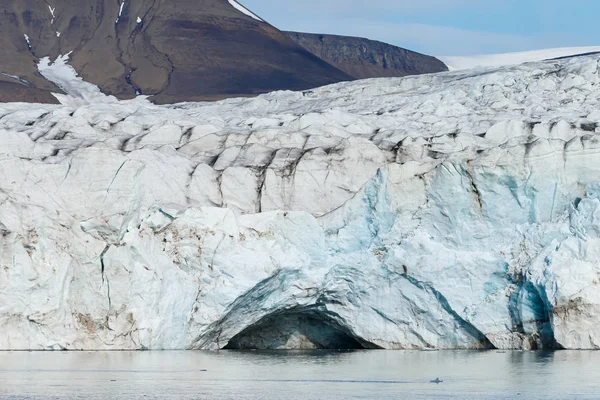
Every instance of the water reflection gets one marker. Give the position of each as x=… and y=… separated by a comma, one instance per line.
x=300, y=375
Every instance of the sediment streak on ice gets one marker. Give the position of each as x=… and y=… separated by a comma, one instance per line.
x=457, y=210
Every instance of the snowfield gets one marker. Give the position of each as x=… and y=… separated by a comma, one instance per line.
x=65, y=77
x=497, y=60
x=457, y=210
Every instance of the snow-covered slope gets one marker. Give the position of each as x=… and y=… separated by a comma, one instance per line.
x=458, y=210
x=244, y=10
x=497, y=60
x=79, y=92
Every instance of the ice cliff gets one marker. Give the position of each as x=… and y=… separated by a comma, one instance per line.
x=459, y=210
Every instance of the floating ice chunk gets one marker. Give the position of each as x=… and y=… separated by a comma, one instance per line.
x=244, y=10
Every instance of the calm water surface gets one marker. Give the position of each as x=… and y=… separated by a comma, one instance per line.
x=300, y=375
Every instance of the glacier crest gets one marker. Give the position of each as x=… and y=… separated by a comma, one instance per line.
x=457, y=210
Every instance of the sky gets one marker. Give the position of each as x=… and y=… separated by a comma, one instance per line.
x=444, y=27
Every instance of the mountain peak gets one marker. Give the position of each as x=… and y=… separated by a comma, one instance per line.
x=176, y=50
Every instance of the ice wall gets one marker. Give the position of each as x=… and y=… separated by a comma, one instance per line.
x=458, y=210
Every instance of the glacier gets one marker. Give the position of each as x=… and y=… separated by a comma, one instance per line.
x=451, y=211
x=497, y=60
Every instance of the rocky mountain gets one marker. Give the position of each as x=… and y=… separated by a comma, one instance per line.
x=175, y=50
x=456, y=210
x=364, y=58
x=13, y=90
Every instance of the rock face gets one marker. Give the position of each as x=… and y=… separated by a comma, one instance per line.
x=16, y=91
x=456, y=210
x=364, y=58
x=177, y=50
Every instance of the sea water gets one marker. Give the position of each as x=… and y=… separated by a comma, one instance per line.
x=300, y=375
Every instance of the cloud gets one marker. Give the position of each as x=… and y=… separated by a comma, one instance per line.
x=376, y=19
x=437, y=27
x=438, y=40
x=429, y=39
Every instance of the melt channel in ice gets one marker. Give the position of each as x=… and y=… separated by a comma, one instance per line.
x=455, y=210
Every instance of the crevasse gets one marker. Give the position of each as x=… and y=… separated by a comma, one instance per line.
x=457, y=210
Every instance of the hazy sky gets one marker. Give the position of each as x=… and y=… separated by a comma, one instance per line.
x=444, y=27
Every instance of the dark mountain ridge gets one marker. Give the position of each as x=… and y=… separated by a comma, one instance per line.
x=173, y=50
x=363, y=58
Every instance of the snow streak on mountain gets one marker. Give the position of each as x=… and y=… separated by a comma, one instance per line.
x=175, y=50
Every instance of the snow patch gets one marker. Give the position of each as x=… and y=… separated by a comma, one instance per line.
x=17, y=78
x=52, y=9
x=78, y=91
x=120, y=12
x=27, y=41
x=496, y=60
x=244, y=10
x=139, y=20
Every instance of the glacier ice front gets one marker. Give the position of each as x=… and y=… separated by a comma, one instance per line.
x=458, y=210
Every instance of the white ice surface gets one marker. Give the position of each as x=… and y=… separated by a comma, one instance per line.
x=497, y=60
x=78, y=91
x=453, y=210
x=244, y=10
